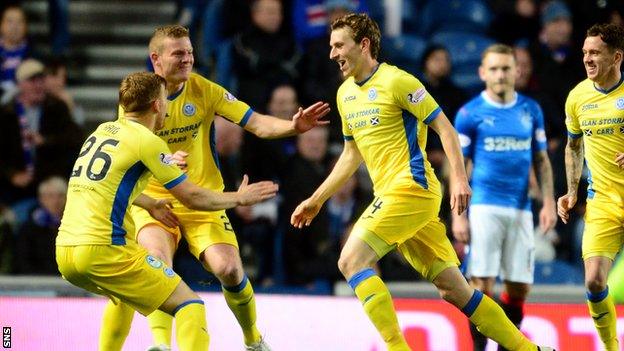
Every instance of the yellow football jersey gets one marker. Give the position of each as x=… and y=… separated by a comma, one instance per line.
x=387, y=117
x=112, y=169
x=189, y=127
x=598, y=117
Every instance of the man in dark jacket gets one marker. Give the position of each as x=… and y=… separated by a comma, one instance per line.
x=38, y=138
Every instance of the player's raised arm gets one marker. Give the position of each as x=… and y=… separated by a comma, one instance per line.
x=460, y=190
x=197, y=198
x=269, y=127
x=348, y=162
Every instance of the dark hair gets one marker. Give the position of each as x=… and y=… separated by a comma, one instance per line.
x=362, y=27
x=429, y=51
x=611, y=34
x=53, y=65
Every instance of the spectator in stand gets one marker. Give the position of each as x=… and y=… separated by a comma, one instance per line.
x=39, y=138
x=265, y=158
x=14, y=48
x=304, y=249
x=556, y=59
x=436, y=77
x=526, y=84
x=254, y=225
x=34, y=249
x=6, y=240
x=58, y=14
x=322, y=77
x=311, y=18
x=264, y=56
x=56, y=85
x=521, y=22
x=343, y=210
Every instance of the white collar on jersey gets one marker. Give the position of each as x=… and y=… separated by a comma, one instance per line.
x=510, y=104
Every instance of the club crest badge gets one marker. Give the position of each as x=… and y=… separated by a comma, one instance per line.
x=153, y=261
x=189, y=109
x=372, y=94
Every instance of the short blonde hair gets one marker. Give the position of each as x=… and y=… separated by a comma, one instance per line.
x=498, y=49
x=139, y=90
x=171, y=31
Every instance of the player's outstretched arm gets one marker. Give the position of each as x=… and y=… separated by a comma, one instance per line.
x=348, y=162
x=574, y=167
x=460, y=190
x=269, y=127
x=198, y=198
x=158, y=209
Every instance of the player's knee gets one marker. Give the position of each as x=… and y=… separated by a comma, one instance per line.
x=228, y=272
x=347, y=266
x=446, y=294
x=595, y=283
x=446, y=289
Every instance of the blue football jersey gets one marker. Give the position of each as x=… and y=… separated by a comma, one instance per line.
x=501, y=140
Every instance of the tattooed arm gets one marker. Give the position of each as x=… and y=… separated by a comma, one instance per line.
x=574, y=167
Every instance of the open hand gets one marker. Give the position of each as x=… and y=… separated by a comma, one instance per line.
x=304, y=213
x=256, y=192
x=162, y=212
x=309, y=118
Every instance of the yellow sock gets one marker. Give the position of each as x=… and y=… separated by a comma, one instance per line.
x=160, y=324
x=191, y=331
x=240, y=299
x=116, y=322
x=602, y=311
x=492, y=322
x=378, y=305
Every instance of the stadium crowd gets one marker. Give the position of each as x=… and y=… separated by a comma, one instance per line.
x=274, y=55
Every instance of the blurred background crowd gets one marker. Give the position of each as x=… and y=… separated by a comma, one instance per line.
x=61, y=63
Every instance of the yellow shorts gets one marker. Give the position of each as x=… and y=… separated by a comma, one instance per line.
x=200, y=228
x=604, y=229
x=411, y=224
x=124, y=272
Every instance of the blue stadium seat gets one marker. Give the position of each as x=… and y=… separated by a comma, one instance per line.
x=404, y=51
x=557, y=272
x=459, y=15
x=376, y=11
x=470, y=82
x=465, y=48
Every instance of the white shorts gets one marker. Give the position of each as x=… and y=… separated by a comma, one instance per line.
x=501, y=242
